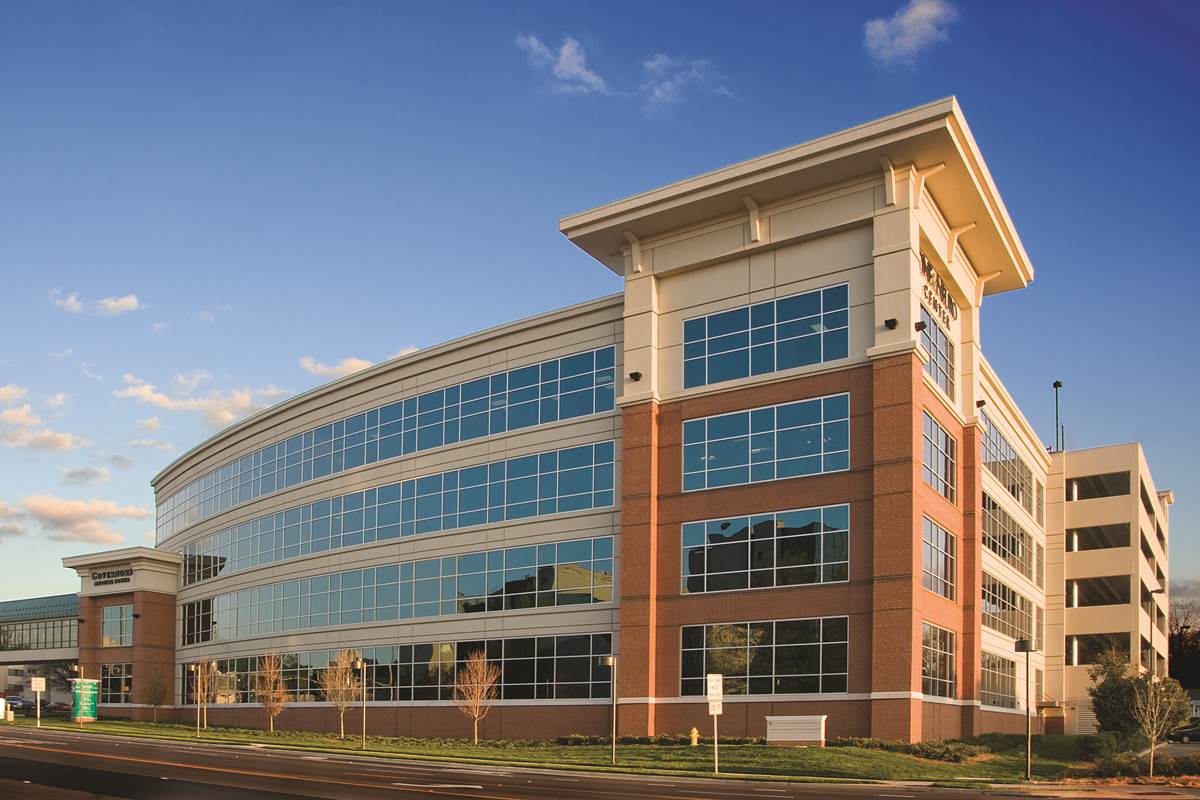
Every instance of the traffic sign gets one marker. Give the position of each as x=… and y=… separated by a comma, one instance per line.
x=714, y=707
x=37, y=684
x=716, y=686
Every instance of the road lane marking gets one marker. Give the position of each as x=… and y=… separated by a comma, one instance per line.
x=439, y=785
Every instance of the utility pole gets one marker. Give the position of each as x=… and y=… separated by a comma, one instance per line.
x=1058, y=438
x=611, y=661
x=362, y=670
x=1026, y=646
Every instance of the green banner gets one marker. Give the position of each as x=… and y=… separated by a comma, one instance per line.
x=84, y=692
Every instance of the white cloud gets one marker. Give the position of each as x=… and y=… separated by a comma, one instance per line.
x=206, y=317
x=186, y=384
x=20, y=415
x=151, y=444
x=59, y=355
x=121, y=462
x=44, y=439
x=112, y=306
x=915, y=27
x=57, y=400
x=149, y=423
x=82, y=475
x=344, y=367
x=11, y=394
x=88, y=372
x=668, y=81
x=71, y=303
x=79, y=520
x=11, y=520
x=217, y=409
x=159, y=327
x=568, y=65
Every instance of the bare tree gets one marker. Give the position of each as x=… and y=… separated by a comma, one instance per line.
x=1159, y=705
x=155, y=687
x=203, y=688
x=270, y=689
x=475, y=687
x=340, y=685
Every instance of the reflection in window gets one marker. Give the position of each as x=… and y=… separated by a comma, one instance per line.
x=765, y=444
x=940, y=452
x=116, y=683
x=938, y=559
x=794, y=656
x=116, y=626
x=562, y=388
x=937, y=661
x=577, y=572
x=940, y=347
x=1007, y=539
x=558, y=481
x=1001, y=459
x=541, y=668
x=794, y=331
x=785, y=548
x=998, y=681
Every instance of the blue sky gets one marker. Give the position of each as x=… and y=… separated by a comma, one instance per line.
x=207, y=207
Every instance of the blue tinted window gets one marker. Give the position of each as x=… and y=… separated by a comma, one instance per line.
x=565, y=388
x=794, y=331
x=765, y=444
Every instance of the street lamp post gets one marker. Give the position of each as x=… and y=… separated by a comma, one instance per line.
x=1026, y=646
x=75, y=690
x=611, y=661
x=196, y=694
x=361, y=666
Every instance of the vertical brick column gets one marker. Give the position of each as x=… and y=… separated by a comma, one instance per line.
x=970, y=555
x=639, y=566
x=153, y=645
x=895, y=628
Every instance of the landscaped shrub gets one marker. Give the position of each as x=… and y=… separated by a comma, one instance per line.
x=1100, y=745
x=948, y=750
x=663, y=739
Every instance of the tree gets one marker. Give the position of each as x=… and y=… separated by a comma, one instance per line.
x=270, y=689
x=475, y=687
x=1112, y=693
x=155, y=687
x=340, y=685
x=1183, y=642
x=1159, y=706
x=203, y=687
x=57, y=674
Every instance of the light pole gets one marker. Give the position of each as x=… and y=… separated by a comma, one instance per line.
x=75, y=690
x=611, y=661
x=196, y=694
x=1026, y=646
x=1058, y=444
x=361, y=666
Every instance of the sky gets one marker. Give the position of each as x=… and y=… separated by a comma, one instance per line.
x=208, y=207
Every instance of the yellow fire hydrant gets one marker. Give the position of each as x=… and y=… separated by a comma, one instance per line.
x=695, y=734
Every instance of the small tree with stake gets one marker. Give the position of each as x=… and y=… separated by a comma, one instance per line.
x=475, y=688
x=1159, y=706
x=270, y=689
x=156, y=689
x=340, y=686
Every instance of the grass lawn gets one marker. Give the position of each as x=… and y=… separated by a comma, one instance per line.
x=1053, y=755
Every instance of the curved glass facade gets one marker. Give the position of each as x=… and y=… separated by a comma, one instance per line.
x=562, y=388
x=576, y=572
x=572, y=479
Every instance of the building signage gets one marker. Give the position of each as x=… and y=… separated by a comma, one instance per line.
x=937, y=295
x=111, y=576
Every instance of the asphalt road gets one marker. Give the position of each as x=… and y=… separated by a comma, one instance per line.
x=40, y=764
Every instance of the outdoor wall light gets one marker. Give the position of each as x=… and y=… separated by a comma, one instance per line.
x=635, y=376
x=920, y=326
x=980, y=403
x=891, y=323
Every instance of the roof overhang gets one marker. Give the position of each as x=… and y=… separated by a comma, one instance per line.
x=125, y=555
x=924, y=136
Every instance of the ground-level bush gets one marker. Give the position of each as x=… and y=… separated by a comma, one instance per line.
x=947, y=750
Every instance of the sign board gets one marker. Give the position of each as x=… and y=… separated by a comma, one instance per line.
x=716, y=687
x=109, y=577
x=37, y=684
x=714, y=707
x=797, y=730
x=84, y=692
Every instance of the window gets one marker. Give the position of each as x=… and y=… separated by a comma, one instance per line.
x=541, y=668
x=1097, y=537
x=1090, y=487
x=785, y=548
x=792, y=656
x=1001, y=459
x=1112, y=590
x=794, y=331
x=766, y=444
x=576, y=572
x=940, y=348
x=998, y=684
x=49, y=634
x=937, y=661
x=938, y=559
x=1041, y=503
x=1006, y=610
x=1039, y=569
x=939, y=459
x=1004, y=537
x=1085, y=649
x=562, y=388
x=554, y=482
x=116, y=683
x=116, y=626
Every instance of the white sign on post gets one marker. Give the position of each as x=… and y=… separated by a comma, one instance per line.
x=716, y=694
x=37, y=684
